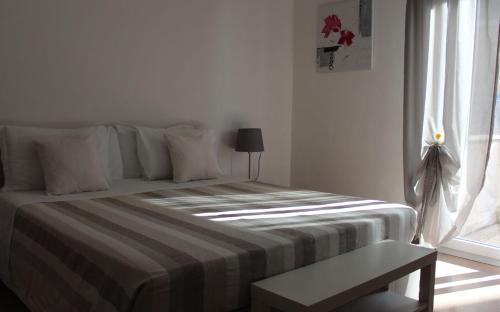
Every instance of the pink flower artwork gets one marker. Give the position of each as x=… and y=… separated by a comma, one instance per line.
x=346, y=37
x=332, y=24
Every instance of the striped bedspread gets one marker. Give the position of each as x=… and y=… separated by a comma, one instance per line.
x=195, y=249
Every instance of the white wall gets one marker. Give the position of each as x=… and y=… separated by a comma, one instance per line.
x=225, y=63
x=347, y=127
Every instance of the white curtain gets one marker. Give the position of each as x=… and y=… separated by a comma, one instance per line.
x=450, y=67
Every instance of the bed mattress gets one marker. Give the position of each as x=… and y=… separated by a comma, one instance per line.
x=184, y=249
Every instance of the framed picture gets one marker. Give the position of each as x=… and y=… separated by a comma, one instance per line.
x=344, y=36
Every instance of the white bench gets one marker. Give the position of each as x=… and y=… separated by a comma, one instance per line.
x=354, y=281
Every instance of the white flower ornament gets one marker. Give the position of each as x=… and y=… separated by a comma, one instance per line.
x=438, y=138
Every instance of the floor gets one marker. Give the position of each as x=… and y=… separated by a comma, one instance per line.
x=461, y=286
x=489, y=235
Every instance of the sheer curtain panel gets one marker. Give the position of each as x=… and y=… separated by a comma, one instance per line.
x=450, y=62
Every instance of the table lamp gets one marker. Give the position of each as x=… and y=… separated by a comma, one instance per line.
x=250, y=140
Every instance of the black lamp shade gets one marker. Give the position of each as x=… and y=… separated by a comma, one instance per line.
x=249, y=140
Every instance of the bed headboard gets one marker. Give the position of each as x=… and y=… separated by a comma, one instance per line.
x=225, y=139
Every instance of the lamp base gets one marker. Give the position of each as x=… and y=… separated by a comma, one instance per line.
x=249, y=165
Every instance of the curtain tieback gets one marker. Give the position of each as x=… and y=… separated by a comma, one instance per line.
x=430, y=178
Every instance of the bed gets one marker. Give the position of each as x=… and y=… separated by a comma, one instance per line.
x=160, y=246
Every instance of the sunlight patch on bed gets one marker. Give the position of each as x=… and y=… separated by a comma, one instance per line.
x=238, y=200
x=307, y=213
x=270, y=227
x=252, y=211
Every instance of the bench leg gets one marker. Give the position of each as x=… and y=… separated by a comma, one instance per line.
x=427, y=279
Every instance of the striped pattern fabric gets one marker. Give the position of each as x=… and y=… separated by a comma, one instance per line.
x=194, y=249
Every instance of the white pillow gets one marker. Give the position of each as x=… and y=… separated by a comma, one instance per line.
x=71, y=164
x=21, y=165
x=193, y=156
x=128, y=148
x=153, y=151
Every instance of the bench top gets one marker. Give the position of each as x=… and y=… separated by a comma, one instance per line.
x=338, y=277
